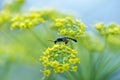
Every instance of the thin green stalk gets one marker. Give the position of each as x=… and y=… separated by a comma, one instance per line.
x=70, y=76
x=101, y=56
x=92, y=69
x=37, y=38
x=6, y=70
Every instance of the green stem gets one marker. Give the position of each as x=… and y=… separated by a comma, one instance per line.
x=69, y=75
x=102, y=54
x=37, y=38
x=92, y=70
x=6, y=70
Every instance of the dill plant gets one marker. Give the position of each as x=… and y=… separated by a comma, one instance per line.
x=24, y=43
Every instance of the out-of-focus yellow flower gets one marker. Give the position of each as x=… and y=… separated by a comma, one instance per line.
x=73, y=55
x=81, y=32
x=14, y=25
x=116, y=29
x=30, y=25
x=22, y=25
x=111, y=29
x=71, y=32
x=47, y=72
x=69, y=19
x=58, y=24
x=63, y=32
x=5, y=18
x=27, y=21
x=45, y=63
x=58, y=69
x=72, y=61
x=74, y=52
x=55, y=64
x=42, y=58
x=77, y=60
x=99, y=26
x=66, y=66
x=74, y=68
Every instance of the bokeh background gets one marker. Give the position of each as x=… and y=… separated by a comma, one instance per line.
x=89, y=11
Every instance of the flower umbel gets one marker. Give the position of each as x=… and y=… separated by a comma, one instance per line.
x=58, y=59
x=69, y=27
x=26, y=21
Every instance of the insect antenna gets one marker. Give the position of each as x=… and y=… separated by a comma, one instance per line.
x=51, y=40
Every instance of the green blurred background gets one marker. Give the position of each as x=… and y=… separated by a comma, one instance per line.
x=20, y=49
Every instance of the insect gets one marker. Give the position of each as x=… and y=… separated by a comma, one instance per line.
x=64, y=39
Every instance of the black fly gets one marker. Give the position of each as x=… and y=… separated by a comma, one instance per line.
x=64, y=39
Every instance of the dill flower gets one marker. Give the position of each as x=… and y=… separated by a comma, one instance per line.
x=111, y=29
x=45, y=63
x=63, y=31
x=72, y=61
x=74, y=68
x=69, y=27
x=26, y=21
x=5, y=17
x=47, y=72
x=99, y=26
x=66, y=66
x=58, y=58
x=54, y=64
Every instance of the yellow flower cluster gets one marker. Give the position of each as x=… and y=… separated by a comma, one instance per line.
x=59, y=58
x=34, y=18
x=111, y=33
x=5, y=17
x=111, y=29
x=69, y=27
x=14, y=5
x=26, y=22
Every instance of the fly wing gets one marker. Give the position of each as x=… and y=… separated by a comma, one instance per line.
x=72, y=39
